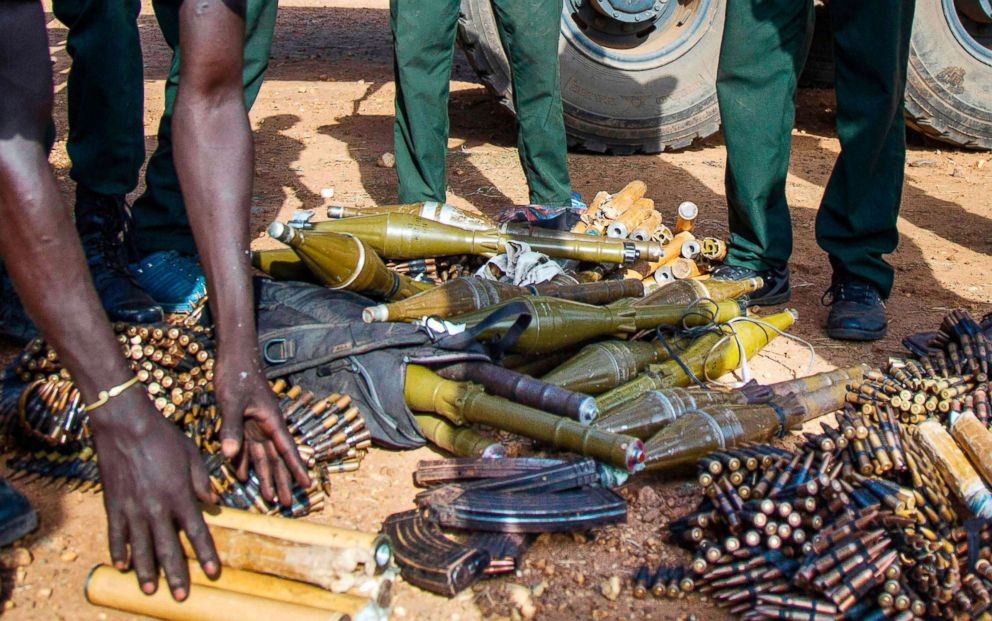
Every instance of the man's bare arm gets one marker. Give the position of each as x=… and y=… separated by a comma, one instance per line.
x=152, y=474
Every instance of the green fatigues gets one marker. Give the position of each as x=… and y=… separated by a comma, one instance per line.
x=424, y=40
x=765, y=43
x=106, y=140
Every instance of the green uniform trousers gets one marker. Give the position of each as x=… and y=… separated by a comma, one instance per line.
x=424, y=40
x=106, y=141
x=765, y=44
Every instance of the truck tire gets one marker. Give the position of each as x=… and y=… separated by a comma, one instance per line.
x=638, y=78
x=949, y=86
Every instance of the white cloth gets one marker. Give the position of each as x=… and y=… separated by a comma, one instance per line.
x=520, y=266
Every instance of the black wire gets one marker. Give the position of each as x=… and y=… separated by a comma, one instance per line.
x=692, y=332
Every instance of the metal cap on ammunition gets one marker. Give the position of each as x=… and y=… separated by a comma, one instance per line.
x=278, y=230
x=371, y=314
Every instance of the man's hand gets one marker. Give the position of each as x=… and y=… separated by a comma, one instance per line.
x=253, y=430
x=152, y=476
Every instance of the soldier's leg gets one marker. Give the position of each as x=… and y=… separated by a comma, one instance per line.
x=530, y=31
x=765, y=43
x=106, y=143
x=856, y=223
x=423, y=46
x=159, y=214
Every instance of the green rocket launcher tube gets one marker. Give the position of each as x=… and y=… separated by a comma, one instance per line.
x=559, y=323
x=405, y=236
x=462, y=402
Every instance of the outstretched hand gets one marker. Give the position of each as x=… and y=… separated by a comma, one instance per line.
x=152, y=476
x=253, y=431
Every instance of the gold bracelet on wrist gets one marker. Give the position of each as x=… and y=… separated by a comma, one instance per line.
x=107, y=395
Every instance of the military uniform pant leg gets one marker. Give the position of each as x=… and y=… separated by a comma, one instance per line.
x=106, y=141
x=856, y=223
x=530, y=32
x=160, y=214
x=423, y=46
x=765, y=44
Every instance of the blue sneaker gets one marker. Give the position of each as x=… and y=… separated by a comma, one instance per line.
x=17, y=518
x=173, y=280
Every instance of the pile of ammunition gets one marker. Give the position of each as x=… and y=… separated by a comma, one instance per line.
x=629, y=215
x=952, y=375
x=492, y=505
x=856, y=523
x=671, y=582
x=43, y=410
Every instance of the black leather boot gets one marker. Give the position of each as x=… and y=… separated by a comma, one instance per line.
x=103, y=222
x=857, y=312
x=17, y=518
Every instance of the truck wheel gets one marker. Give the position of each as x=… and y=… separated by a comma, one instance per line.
x=636, y=75
x=949, y=87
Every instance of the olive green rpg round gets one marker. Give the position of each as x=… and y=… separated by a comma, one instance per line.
x=425, y=391
x=700, y=432
x=644, y=416
x=459, y=441
x=429, y=210
x=282, y=264
x=708, y=357
x=345, y=262
x=405, y=236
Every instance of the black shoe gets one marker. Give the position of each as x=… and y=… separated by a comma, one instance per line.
x=14, y=321
x=103, y=222
x=17, y=518
x=775, y=290
x=856, y=311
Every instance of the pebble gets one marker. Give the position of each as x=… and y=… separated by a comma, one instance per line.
x=22, y=557
x=580, y=579
x=20, y=575
x=327, y=193
x=69, y=556
x=9, y=604
x=521, y=598
x=923, y=163
x=540, y=588
x=647, y=496
x=45, y=592
x=957, y=172
x=611, y=588
x=386, y=160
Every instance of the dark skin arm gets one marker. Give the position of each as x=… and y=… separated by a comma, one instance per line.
x=215, y=162
x=152, y=474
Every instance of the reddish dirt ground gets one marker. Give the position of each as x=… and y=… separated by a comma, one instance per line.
x=323, y=118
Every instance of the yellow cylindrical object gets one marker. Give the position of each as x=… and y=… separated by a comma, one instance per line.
x=278, y=589
x=975, y=440
x=625, y=199
x=459, y=441
x=686, y=218
x=673, y=249
x=954, y=467
x=684, y=269
x=320, y=565
x=630, y=219
x=105, y=586
x=645, y=230
x=376, y=545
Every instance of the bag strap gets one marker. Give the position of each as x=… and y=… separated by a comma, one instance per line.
x=498, y=345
